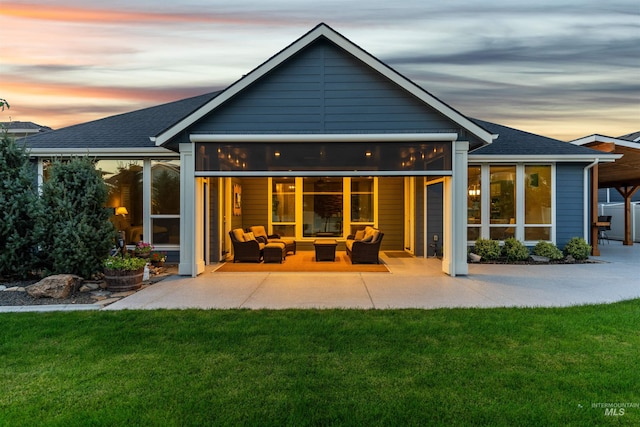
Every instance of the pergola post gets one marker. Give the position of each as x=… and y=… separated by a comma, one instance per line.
x=627, y=193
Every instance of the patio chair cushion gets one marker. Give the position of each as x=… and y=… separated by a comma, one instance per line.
x=238, y=233
x=248, y=236
x=359, y=235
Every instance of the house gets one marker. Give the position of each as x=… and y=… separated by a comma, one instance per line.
x=323, y=139
x=22, y=129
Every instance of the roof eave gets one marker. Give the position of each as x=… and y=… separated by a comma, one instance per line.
x=511, y=158
x=103, y=152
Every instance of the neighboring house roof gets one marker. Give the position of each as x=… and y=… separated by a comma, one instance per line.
x=513, y=143
x=122, y=133
x=635, y=137
x=324, y=31
x=23, y=128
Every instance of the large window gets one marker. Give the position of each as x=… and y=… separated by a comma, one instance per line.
x=283, y=206
x=474, y=207
x=537, y=202
x=310, y=207
x=502, y=187
x=323, y=207
x=510, y=201
x=165, y=202
x=124, y=178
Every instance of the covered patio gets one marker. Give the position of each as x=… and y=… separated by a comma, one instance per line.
x=623, y=175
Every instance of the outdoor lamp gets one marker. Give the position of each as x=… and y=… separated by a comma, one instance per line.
x=121, y=210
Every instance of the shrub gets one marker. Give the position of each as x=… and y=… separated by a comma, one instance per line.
x=578, y=248
x=80, y=234
x=20, y=207
x=128, y=263
x=547, y=249
x=515, y=250
x=487, y=249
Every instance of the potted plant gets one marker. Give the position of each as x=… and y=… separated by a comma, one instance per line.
x=158, y=258
x=143, y=249
x=123, y=273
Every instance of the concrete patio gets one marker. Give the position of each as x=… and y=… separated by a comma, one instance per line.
x=411, y=283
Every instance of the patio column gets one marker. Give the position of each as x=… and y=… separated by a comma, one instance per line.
x=627, y=193
x=454, y=260
x=187, y=211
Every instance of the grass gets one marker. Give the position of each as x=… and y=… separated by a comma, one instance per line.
x=521, y=367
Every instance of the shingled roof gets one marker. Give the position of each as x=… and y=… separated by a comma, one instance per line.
x=514, y=142
x=128, y=130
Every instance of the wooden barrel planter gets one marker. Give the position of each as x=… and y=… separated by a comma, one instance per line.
x=123, y=280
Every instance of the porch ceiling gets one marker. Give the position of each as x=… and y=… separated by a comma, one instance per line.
x=624, y=172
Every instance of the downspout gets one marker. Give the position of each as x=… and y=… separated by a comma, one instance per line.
x=586, y=209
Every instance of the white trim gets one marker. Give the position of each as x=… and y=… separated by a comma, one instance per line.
x=321, y=173
x=601, y=138
x=326, y=137
x=323, y=30
x=511, y=158
x=122, y=152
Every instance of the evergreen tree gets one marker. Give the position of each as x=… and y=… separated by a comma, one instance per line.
x=79, y=234
x=20, y=207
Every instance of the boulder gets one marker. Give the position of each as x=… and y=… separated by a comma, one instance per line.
x=56, y=286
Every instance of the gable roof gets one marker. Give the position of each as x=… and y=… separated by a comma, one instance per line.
x=324, y=31
x=513, y=143
x=634, y=136
x=119, y=134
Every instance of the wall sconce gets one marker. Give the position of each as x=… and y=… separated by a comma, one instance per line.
x=121, y=210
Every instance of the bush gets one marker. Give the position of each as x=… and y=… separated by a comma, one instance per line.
x=20, y=207
x=80, y=234
x=487, y=249
x=548, y=249
x=578, y=248
x=127, y=263
x=515, y=250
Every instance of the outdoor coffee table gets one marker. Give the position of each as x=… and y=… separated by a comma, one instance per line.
x=325, y=249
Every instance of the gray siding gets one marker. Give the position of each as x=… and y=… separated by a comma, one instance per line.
x=391, y=212
x=569, y=202
x=434, y=217
x=255, y=202
x=324, y=89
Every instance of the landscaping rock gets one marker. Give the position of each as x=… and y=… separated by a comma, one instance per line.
x=3, y=287
x=538, y=258
x=569, y=258
x=88, y=287
x=57, y=286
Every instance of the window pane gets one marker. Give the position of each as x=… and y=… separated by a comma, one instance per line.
x=124, y=181
x=362, y=200
x=166, y=231
x=501, y=233
x=537, y=233
x=503, y=194
x=537, y=195
x=283, y=203
x=473, y=233
x=165, y=182
x=322, y=207
x=474, y=211
x=284, y=230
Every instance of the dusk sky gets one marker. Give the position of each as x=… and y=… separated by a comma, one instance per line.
x=560, y=68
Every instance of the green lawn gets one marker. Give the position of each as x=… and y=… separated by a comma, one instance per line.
x=535, y=367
